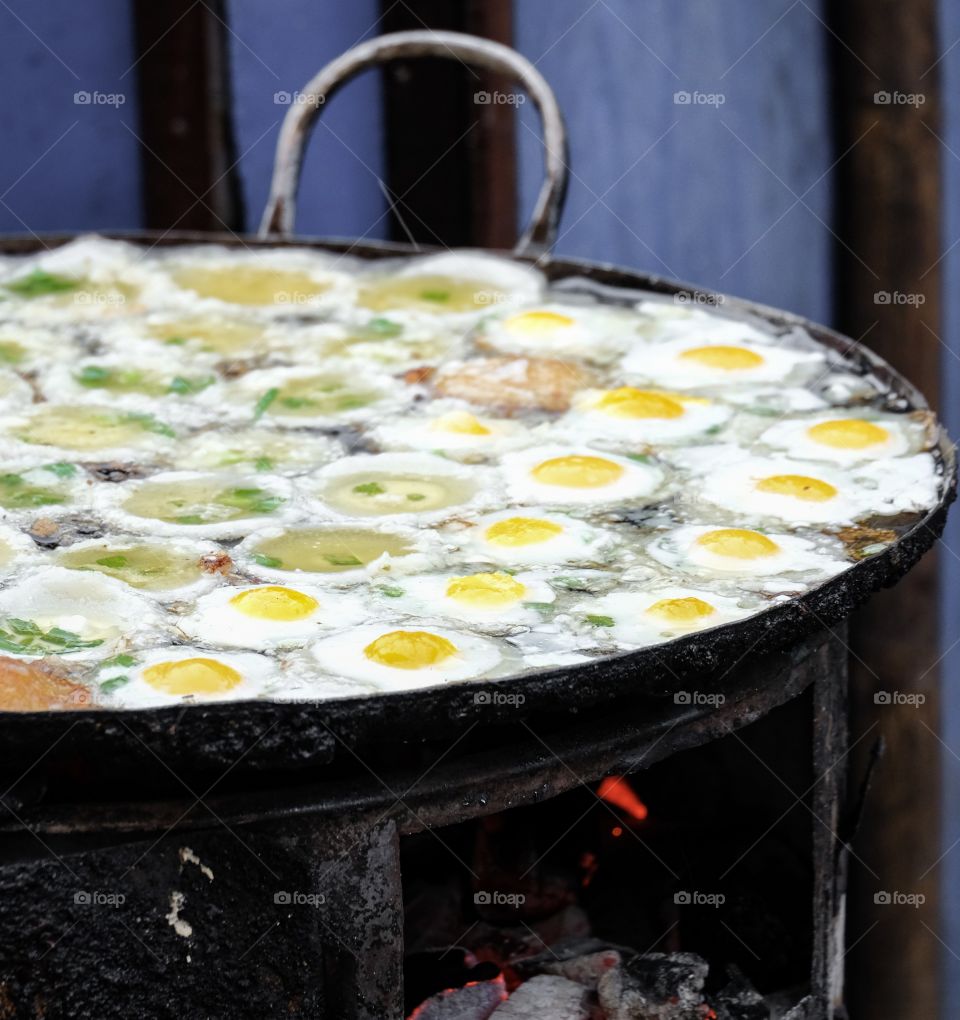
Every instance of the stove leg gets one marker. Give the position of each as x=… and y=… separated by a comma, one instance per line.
x=830, y=745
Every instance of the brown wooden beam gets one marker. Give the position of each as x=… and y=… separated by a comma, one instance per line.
x=889, y=292
x=189, y=181
x=451, y=161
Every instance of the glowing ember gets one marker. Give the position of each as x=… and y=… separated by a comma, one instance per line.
x=616, y=790
x=486, y=992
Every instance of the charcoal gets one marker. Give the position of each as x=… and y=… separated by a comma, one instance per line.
x=545, y=996
x=476, y=1001
x=739, y=1000
x=655, y=986
x=582, y=960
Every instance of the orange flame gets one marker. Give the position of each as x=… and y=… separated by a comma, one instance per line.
x=616, y=790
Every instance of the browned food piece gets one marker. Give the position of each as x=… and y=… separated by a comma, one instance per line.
x=38, y=687
x=216, y=563
x=515, y=384
x=418, y=376
x=857, y=539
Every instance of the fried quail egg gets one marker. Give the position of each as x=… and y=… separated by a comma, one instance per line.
x=559, y=475
x=419, y=486
x=28, y=488
x=395, y=658
x=646, y=617
x=286, y=281
x=493, y=597
x=92, y=430
x=16, y=550
x=844, y=440
x=183, y=675
x=333, y=554
x=161, y=385
x=449, y=429
x=14, y=391
x=195, y=504
x=256, y=449
x=168, y=569
x=631, y=415
x=266, y=616
x=593, y=333
x=459, y=285
x=737, y=553
x=806, y=492
x=53, y=611
x=695, y=362
x=530, y=536
x=296, y=398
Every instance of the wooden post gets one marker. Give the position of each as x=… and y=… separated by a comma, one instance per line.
x=451, y=161
x=889, y=292
x=189, y=179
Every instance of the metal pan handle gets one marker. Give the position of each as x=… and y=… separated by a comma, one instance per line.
x=541, y=233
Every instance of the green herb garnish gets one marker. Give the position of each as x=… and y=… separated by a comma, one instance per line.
x=115, y=682
x=24, y=637
x=601, y=621
x=115, y=562
x=267, y=561
x=640, y=458
x=263, y=464
x=175, y=341
x=151, y=424
x=61, y=469
x=342, y=561
x=15, y=494
x=93, y=375
x=190, y=519
x=39, y=283
x=184, y=386
x=384, y=328
x=118, y=660
x=435, y=295
x=390, y=590
x=415, y=496
x=260, y=408
x=540, y=607
x=370, y=489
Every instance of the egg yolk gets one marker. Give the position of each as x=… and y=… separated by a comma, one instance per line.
x=848, y=434
x=486, y=591
x=810, y=490
x=725, y=357
x=738, y=543
x=274, y=602
x=627, y=402
x=683, y=610
x=536, y=323
x=461, y=423
x=517, y=531
x=410, y=649
x=578, y=472
x=192, y=676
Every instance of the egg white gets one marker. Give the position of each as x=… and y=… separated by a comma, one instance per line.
x=634, y=626
x=577, y=542
x=426, y=595
x=663, y=363
x=594, y=333
x=266, y=450
x=638, y=480
x=88, y=604
x=479, y=486
x=258, y=672
x=215, y=620
x=114, y=502
x=679, y=550
x=794, y=438
x=343, y=655
x=588, y=419
x=428, y=433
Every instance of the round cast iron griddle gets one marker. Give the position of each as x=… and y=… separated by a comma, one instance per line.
x=256, y=735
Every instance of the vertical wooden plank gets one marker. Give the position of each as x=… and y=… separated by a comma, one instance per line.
x=450, y=157
x=889, y=288
x=187, y=145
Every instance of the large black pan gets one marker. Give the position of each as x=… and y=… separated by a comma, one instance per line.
x=288, y=737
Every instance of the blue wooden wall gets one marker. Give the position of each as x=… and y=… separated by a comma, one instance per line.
x=734, y=193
